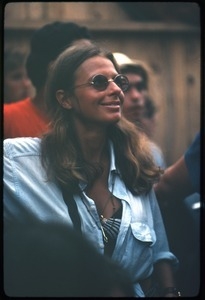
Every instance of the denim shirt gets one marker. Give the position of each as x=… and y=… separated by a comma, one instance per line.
x=192, y=158
x=30, y=199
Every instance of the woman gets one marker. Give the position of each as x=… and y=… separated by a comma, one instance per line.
x=96, y=163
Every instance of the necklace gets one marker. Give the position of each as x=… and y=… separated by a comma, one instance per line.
x=96, y=221
x=102, y=218
x=110, y=199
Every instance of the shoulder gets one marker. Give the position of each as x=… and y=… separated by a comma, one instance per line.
x=192, y=154
x=21, y=146
x=194, y=148
x=192, y=160
x=158, y=155
x=155, y=147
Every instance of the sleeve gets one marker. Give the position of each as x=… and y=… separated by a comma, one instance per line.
x=192, y=160
x=158, y=156
x=6, y=121
x=8, y=180
x=161, y=247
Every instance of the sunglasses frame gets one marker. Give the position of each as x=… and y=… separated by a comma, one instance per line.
x=106, y=83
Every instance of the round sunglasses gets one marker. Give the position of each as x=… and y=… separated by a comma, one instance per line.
x=100, y=82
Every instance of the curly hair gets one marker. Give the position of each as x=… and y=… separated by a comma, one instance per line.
x=62, y=156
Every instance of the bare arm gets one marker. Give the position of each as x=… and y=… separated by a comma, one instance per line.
x=175, y=183
x=164, y=275
x=164, y=278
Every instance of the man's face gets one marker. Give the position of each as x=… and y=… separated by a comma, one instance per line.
x=134, y=98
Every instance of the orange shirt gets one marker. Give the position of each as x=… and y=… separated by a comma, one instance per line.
x=23, y=119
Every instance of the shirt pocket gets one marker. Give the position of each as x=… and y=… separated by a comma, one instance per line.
x=143, y=233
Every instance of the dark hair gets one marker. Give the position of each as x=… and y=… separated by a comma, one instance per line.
x=61, y=153
x=47, y=43
x=136, y=69
x=53, y=260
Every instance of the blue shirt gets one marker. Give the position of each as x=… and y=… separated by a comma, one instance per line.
x=158, y=156
x=192, y=159
x=30, y=199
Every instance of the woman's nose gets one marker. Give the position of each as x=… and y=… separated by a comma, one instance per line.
x=113, y=84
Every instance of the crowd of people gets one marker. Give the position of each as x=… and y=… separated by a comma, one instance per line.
x=28, y=116
x=84, y=181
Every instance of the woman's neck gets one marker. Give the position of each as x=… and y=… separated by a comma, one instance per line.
x=94, y=148
x=93, y=142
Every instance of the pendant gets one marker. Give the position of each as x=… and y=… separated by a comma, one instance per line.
x=102, y=219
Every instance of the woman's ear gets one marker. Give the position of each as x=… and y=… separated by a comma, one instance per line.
x=64, y=99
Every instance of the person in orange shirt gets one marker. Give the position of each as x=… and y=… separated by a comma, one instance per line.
x=17, y=85
x=28, y=117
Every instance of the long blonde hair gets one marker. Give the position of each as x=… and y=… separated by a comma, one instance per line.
x=61, y=154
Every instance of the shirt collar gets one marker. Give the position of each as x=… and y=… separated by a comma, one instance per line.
x=112, y=158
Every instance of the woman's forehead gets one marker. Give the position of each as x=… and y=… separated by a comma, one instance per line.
x=96, y=64
x=97, y=61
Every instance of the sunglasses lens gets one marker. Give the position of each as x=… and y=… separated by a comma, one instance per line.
x=100, y=82
x=122, y=82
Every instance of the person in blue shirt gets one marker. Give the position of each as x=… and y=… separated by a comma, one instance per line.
x=182, y=178
x=179, y=193
x=93, y=171
x=192, y=159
